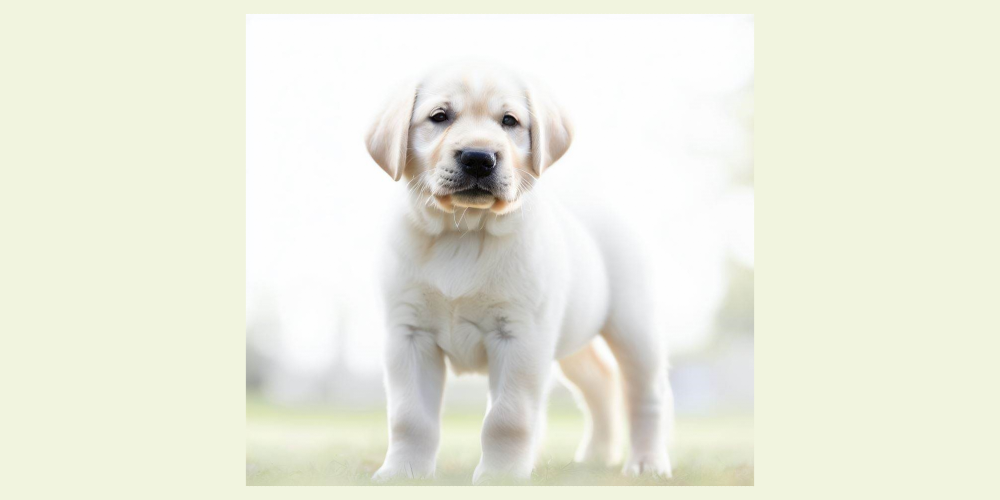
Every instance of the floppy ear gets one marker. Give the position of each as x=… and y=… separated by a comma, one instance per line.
x=387, y=137
x=551, y=131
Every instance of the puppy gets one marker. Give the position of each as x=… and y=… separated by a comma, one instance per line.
x=487, y=272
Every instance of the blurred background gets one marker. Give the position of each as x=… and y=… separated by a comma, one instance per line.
x=665, y=100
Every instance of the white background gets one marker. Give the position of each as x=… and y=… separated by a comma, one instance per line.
x=663, y=110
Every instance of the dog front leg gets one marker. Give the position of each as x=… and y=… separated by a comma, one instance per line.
x=519, y=373
x=415, y=374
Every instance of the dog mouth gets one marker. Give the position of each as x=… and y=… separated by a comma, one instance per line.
x=473, y=193
x=455, y=191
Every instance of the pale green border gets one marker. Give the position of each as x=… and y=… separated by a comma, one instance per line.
x=122, y=270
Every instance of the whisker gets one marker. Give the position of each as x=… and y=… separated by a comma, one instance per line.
x=468, y=228
x=416, y=178
x=417, y=181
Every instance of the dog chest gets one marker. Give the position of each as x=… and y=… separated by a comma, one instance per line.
x=464, y=265
x=474, y=287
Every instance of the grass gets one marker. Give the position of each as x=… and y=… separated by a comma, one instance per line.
x=327, y=447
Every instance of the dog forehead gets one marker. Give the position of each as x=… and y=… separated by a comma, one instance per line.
x=477, y=90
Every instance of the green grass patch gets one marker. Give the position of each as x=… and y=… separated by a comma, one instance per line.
x=323, y=446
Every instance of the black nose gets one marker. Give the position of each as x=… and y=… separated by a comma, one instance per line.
x=477, y=163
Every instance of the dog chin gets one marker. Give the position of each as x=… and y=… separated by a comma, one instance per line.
x=473, y=198
x=485, y=200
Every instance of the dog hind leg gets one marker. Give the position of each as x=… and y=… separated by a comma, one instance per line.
x=648, y=399
x=595, y=384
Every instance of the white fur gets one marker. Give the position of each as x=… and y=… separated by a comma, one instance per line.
x=509, y=289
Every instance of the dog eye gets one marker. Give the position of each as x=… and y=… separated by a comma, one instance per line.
x=509, y=121
x=439, y=117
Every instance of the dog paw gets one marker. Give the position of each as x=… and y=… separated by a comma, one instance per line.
x=658, y=465
x=401, y=470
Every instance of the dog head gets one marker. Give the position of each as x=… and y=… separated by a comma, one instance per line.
x=473, y=137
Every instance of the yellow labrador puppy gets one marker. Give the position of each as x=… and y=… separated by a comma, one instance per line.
x=488, y=272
